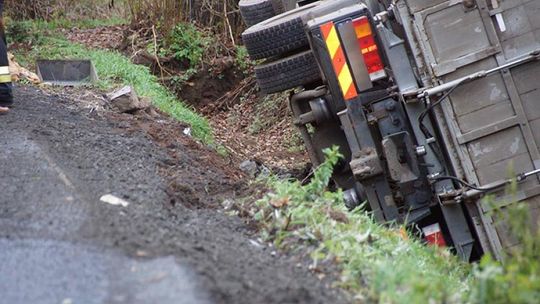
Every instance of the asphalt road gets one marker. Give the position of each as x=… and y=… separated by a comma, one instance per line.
x=45, y=205
x=60, y=244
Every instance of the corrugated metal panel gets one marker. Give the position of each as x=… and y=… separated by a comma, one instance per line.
x=485, y=100
x=418, y=5
x=496, y=120
x=522, y=19
x=455, y=34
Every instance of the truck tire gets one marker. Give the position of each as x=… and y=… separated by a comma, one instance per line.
x=278, y=35
x=255, y=11
x=287, y=73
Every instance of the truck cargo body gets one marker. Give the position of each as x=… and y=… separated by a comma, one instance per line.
x=483, y=129
x=490, y=126
x=433, y=103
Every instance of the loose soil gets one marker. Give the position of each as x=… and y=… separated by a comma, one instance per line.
x=106, y=37
x=174, y=186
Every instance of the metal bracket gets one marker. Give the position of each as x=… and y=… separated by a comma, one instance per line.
x=497, y=12
x=400, y=156
x=367, y=164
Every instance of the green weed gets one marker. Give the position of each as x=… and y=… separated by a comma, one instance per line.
x=379, y=264
x=384, y=264
x=186, y=43
x=256, y=125
x=294, y=143
x=65, y=23
x=266, y=112
x=30, y=31
x=242, y=60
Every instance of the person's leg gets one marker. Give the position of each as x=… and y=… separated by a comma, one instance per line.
x=6, y=94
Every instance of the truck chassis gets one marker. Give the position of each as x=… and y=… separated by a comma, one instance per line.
x=431, y=103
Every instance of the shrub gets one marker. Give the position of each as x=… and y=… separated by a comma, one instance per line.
x=221, y=16
x=186, y=43
x=242, y=59
x=55, y=9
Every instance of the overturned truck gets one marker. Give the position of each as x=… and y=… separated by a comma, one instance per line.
x=433, y=103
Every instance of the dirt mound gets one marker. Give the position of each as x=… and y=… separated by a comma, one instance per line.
x=204, y=185
x=205, y=88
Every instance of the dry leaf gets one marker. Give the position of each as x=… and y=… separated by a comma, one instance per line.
x=280, y=202
x=18, y=72
x=337, y=216
x=403, y=234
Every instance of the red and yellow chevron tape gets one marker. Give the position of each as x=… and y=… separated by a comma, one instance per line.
x=339, y=62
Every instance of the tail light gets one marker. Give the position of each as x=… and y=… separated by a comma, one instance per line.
x=369, y=48
x=434, y=235
x=353, y=53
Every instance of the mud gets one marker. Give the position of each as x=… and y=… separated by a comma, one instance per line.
x=174, y=187
x=209, y=84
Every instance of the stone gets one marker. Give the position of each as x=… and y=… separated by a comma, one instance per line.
x=250, y=168
x=125, y=100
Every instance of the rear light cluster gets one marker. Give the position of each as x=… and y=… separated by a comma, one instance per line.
x=433, y=235
x=369, y=48
x=343, y=42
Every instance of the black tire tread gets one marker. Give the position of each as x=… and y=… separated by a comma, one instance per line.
x=265, y=40
x=254, y=12
x=287, y=73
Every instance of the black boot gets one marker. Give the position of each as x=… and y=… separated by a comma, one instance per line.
x=6, y=94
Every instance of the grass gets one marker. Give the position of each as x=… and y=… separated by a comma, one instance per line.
x=384, y=264
x=114, y=70
x=380, y=264
x=242, y=59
